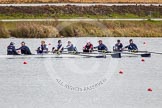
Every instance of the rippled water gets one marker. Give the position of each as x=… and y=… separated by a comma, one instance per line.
x=81, y=82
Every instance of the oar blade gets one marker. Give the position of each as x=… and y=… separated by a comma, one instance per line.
x=146, y=55
x=116, y=55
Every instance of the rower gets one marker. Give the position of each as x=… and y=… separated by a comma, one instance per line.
x=101, y=47
x=132, y=47
x=70, y=47
x=11, y=50
x=88, y=47
x=43, y=48
x=118, y=46
x=59, y=47
x=24, y=49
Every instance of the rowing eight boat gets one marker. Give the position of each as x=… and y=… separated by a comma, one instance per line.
x=80, y=55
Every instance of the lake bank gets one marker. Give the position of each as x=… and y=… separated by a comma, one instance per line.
x=52, y=29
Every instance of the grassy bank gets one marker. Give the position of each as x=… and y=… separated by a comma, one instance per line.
x=67, y=16
x=71, y=11
x=81, y=29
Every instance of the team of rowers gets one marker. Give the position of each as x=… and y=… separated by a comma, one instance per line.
x=88, y=48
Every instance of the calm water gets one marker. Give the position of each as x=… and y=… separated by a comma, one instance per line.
x=81, y=82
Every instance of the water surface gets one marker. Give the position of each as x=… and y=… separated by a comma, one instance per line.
x=81, y=82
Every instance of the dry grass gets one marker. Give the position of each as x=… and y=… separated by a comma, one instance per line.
x=33, y=30
x=109, y=1
x=3, y=31
x=82, y=29
x=135, y=29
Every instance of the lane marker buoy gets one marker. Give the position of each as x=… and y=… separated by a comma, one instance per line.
x=121, y=71
x=149, y=89
x=25, y=62
x=142, y=60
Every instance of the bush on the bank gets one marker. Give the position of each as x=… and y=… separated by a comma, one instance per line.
x=70, y=10
x=3, y=31
x=32, y=30
x=68, y=32
x=82, y=29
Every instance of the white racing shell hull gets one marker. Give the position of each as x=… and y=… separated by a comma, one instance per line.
x=67, y=55
x=54, y=56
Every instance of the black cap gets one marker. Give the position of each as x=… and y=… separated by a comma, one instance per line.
x=12, y=43
x=130, y=40
x=118, y=40
x=59, y=41
x=23, y=42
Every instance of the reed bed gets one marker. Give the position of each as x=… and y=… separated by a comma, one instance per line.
x=81, y=29
x=33, y=30
x=3, y=31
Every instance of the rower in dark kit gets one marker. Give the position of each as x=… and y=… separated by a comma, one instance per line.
x=59, y=47
x=118, y=46
x=88, y=47
x=70, y=47
x=11, y=50
x=132, y=47
x=24, y=49
x=43, y=49
x=101, y=47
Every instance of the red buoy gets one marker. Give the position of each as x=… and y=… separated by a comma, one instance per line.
x=121, y=72
x=149, y=89
x=142, y=60
x=25, y=62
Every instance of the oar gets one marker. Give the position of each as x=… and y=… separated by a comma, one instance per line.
x=81, y=54
x=76, y=52
x=146, y=52
x=113, y=55
x=99, y=56
x=89, y=55
x=142, y=55
x=156, y=53
x=152, y=52
x=104, y=53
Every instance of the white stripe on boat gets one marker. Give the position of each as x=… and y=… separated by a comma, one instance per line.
x=52, y=56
